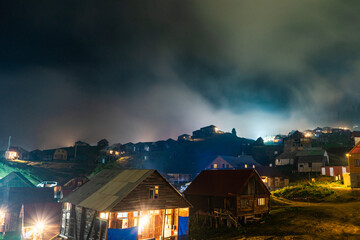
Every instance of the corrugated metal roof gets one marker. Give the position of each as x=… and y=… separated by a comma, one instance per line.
x=107, y=188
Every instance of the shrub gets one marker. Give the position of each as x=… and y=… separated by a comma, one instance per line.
x=303, y=191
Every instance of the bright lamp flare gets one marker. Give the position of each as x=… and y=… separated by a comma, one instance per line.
x=143, y=221
x=40, y=226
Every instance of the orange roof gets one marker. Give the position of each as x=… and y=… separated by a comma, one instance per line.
x=356, y=149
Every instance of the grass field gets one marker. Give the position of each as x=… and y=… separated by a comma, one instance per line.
x=41, y=171
x=297, y=220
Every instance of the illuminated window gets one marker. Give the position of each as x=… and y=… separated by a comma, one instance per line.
x=111, y=151
x=357, y=162
x=245, y=165
x=215, y=165
x=124, y=223
x=104, y=215
x=122, y=215
x=154, y=192
x=261, y=201
x=183, y=212
x=253, y=166
x=136, y=214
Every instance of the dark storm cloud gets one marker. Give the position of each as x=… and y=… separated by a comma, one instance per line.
x=146, y=70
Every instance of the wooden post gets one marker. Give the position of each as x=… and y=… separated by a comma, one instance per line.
x=100, y=229
x=107, y=225
x=91, y=226
x=82, y=223
x=163, y=230
x=73, y=208
x=96, y=228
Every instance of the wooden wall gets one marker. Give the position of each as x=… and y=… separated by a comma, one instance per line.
x=139, y=199
x=253, y=190
x=85, y=223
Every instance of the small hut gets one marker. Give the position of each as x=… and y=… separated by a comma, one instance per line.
x=354, y=167
x=125, y=204
x=232, y=195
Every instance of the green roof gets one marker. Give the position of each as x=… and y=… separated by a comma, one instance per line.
x=311, y=152
x=15, y=179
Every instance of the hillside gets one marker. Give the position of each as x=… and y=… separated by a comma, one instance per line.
x=49, y=171
x=188, y=156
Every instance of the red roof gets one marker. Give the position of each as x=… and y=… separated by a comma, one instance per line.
x=220, y=182
x=356, y=149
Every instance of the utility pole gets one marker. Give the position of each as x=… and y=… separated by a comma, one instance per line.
x=9, y=142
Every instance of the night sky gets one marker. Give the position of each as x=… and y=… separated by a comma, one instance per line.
x=150, y=70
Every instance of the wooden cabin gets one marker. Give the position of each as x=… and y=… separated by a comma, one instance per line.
x=354, y=166
x=125, y=204
x=272, y=177
x=231, y=162
x=240, y=194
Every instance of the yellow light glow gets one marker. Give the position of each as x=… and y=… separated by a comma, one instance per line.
x=215, y=165
x=11, y=155
x=246, y=166
x=308, y=135
x=111, y=151
x=216, y=129
x=39, y=227
x=116, y=153
x=347, y=155
x=143, y=221
x=2, y=217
